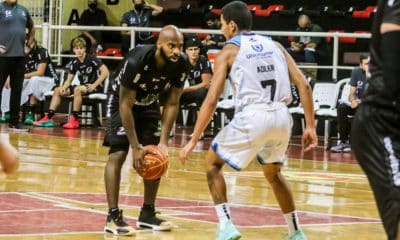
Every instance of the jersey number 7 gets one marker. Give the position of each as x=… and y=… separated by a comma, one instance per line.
x=270, y=83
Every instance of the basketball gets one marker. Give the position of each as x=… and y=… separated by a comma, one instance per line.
x=156, y=163
x=9, y=158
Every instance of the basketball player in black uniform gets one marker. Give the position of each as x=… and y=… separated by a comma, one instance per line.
x=375, y=136
x=135, y=114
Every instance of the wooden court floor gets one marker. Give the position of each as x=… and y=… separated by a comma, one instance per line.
x=58, y=193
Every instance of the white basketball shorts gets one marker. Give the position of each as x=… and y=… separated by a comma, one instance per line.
x=255, y=132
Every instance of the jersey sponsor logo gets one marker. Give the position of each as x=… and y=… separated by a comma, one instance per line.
x=265, y=68
x=259, y=55
x=137, y=78
x=156, y=80
x=89, y=70
x=143, y=86
x=257, y=48
x=121, y=131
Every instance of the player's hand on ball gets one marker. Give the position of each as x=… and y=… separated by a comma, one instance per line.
x=138, y=154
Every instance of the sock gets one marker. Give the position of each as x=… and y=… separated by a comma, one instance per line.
x=292, y=221
x=223, y=212
x=113, y=212
x=51, y=113
x=31, y=108
x=75, y=114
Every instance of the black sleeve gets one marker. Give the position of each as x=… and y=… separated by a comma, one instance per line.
x=125, y=18
x=84, y=19
x=205, y=65
x=42, y=56
x=29, y=21
x=129, y=73
x=355, y=75
x=96, y=61
x=71, y=69
x=104, y=20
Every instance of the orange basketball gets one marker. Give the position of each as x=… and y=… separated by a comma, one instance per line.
x=9, y=158
x=156, y=164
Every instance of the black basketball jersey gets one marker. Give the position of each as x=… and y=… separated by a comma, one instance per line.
x=139, y=72
x=37, y=56
x=194, y=72
x=86, y=71
x=388, y=11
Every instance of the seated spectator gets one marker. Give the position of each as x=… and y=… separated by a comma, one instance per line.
x=304, y=48
x=93, y=16
x=86, y=74
x=199, y=74
x=344, y=110
x=213, y=41
x=139, y=16
x=40, y=77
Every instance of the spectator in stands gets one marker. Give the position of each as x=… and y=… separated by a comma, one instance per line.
x=213, y=41
x=304, y=48
x=139, y=16
x=40, y=77
x=199, y=74
x=93, y=16
x=86, y=74
x=346, y=109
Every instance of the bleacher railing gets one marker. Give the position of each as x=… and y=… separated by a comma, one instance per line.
x=47, y=29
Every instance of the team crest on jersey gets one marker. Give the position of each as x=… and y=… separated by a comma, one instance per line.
x=258, y=47
x=89, y=70
x=8, y=13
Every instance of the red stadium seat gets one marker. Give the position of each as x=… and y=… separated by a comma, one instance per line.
x=216, y=11
x=269, y=10
x=254, y=7
x=201, y=36
x=350, y=40
x=366, y=13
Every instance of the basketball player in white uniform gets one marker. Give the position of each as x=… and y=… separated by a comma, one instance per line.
x=260, y=72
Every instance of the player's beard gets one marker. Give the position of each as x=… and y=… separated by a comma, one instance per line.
x=167, y=58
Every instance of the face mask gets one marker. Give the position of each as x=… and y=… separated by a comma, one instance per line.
x=92, y=5
x=139, y=7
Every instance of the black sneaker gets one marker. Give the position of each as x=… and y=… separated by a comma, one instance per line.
x=118, y=226
x=17, y=127
x=148, y=219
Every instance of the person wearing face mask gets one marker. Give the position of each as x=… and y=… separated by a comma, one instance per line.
x=304, y=48
x=139, y=16
x=93, y=16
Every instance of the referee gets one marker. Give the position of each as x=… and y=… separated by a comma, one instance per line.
x=14, y=21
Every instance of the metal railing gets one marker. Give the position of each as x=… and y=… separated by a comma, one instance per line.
x=47, y=28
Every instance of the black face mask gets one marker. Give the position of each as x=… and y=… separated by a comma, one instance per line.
x=139, y=7
x=92, y=6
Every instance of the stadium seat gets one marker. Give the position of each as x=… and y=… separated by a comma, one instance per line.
x=366, y=13
x=269, y=10
x=350, y=40
x=254, y=7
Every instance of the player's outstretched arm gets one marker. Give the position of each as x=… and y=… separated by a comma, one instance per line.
x=309, y=139
x=169, y=116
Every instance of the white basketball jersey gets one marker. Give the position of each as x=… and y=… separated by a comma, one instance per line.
x=259, y=74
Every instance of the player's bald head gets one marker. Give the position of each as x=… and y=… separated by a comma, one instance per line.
x=170, y=33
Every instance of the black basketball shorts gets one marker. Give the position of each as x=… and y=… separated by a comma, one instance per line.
x=146, y=118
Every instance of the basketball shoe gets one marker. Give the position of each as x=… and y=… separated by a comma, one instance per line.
x=227, y=231
x=299, y=235
x=29, y=118
x=148, y=219
x=44, y=122
x=118, y=226
x=72, y=123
